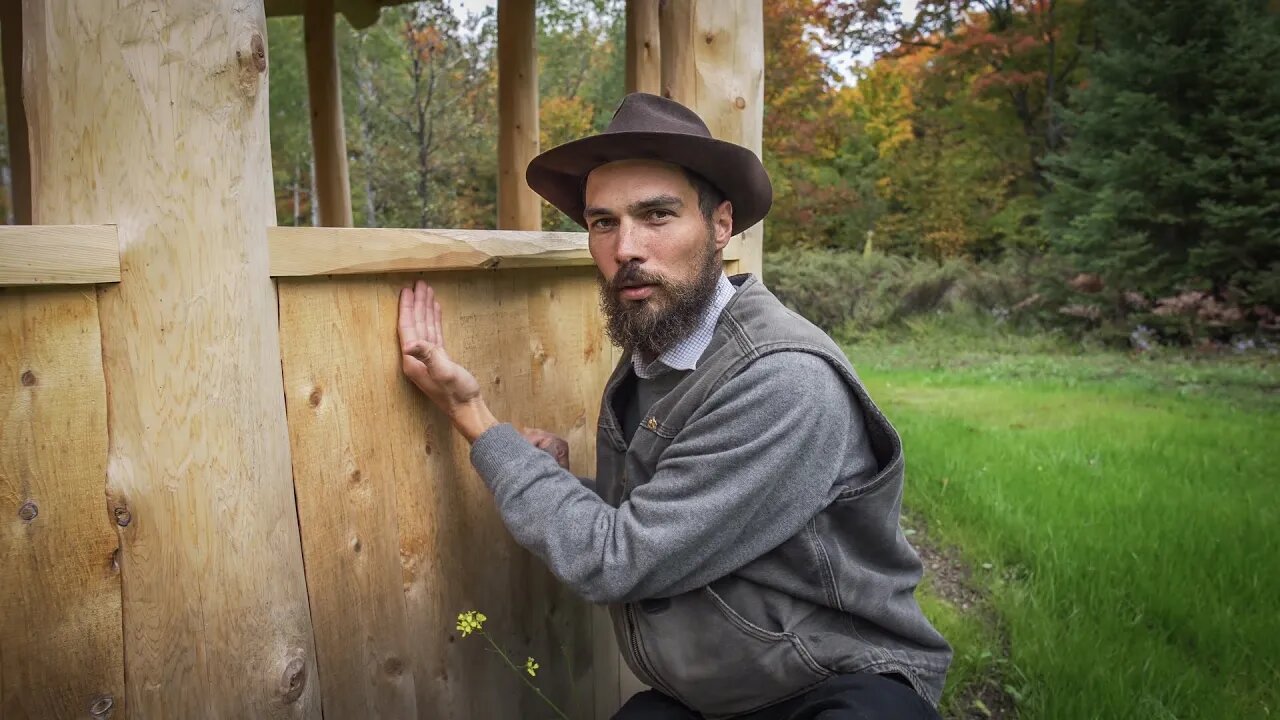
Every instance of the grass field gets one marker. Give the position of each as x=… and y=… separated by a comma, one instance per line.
x=1121, y=515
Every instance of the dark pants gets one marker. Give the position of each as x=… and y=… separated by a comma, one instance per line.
x=843, y=697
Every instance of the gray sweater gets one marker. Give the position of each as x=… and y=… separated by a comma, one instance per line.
x=746, y=473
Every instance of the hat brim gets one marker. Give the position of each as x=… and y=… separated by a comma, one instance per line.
x=558, y=174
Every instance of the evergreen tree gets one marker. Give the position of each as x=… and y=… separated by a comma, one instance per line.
x=1171, y=178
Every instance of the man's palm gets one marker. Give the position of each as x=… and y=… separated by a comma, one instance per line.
x=424, y=359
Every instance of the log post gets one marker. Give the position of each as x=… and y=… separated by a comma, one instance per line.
x=518, y=206
x=644, y=61
x=153, y=116
x=328, y=134
x=15, y=116
x=713, y=62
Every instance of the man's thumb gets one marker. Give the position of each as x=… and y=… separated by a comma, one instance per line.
x=421, y=350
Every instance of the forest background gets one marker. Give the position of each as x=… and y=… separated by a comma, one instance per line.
x=1100, y=169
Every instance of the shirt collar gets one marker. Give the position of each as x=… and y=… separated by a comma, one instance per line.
x=684, y=355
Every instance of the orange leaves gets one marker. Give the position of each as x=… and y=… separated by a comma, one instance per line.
x=426, y=40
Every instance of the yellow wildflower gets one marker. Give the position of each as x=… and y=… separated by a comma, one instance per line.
x=531, y=666
x=470, y=621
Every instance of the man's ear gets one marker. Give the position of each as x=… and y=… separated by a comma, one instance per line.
x=722, y=222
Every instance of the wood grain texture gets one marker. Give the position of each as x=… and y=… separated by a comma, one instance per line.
x=431, y=544
x=61, y=650
x=153, y=115
x=644, y=59
x=519, y=207
x=305, y=251
x=713, y=62
x=59, y=254
x=328, y=134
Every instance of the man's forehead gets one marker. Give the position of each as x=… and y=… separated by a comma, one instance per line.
x=621, y=174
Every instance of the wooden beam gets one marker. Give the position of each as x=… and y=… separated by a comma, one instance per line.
x=328, y=134
x=644, y=60
x=59, y=254
x=518, y=206
x=15, y=114
x=303, y=251
x=154, y=115
x=713, y=62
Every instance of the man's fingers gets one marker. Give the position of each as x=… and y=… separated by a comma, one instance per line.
x=439, y=324
x=419, y=309
x=408, y=332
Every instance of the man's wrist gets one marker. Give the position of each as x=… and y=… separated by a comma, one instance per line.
x=472, y=418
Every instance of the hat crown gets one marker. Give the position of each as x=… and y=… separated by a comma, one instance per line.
x=643, y=112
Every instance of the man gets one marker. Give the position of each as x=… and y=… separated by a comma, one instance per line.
x=743, y=523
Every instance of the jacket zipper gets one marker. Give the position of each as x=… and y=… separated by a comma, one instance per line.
x=633, y=634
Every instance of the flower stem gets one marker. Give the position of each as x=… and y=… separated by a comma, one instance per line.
x=520, y=673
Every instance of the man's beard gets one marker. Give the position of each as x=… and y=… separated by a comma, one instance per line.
x=647, y=328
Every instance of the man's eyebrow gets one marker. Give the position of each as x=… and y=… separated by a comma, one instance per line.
x=657, y=201
x=638, y=207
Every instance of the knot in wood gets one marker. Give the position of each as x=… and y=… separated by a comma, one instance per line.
x=258, y=49
x=293, y=680
x=123, y=516
x=740, y=102
x=28, y=378
x=101, y=707
x=28, y=511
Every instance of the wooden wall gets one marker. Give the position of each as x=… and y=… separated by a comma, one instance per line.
x=399, y=534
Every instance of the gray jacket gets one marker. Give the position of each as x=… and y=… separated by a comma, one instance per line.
x=747, y=539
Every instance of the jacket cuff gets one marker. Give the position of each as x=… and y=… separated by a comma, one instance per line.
x=498, y=452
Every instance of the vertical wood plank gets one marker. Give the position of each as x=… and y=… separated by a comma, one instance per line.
x=61, y=650
x=153, y=116
x=713, y=62
x=328, y=133
x=346, y=494
x=518, y=205
x=644, y=59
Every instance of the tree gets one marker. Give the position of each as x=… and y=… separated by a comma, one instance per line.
x=1171, y=178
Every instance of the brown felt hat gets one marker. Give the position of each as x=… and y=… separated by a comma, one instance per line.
x=648, y=127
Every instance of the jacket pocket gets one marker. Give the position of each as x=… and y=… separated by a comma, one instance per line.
x=718, y=662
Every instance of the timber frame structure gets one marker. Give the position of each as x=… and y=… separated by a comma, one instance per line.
x=218, y=496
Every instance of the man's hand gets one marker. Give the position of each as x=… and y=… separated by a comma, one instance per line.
x=425, y=362
x=553, y=445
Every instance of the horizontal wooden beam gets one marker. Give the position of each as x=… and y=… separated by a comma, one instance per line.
x=59, y=254
x=87, y=254
x=302, y=251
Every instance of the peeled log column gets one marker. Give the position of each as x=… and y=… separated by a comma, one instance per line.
x=153, y=115
x=328, y=135
x=713, y=62
x=518, y=207
x=644, y=63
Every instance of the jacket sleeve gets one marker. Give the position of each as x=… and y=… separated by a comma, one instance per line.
x=747, y=472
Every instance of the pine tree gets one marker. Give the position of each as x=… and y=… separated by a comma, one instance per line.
x=1171, y=177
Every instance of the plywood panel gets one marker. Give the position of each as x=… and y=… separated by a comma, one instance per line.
x=430, y=538
x=61, y=651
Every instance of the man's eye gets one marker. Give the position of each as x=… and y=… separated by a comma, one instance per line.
x=602, y=223
x=660, y=214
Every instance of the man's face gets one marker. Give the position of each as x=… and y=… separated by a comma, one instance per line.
x=658, y=257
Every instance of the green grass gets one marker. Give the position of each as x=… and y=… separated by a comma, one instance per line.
x=1123, y=514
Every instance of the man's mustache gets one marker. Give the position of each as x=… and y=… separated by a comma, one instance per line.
x=632, y=275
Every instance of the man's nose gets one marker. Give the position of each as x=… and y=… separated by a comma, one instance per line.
x=630, y=246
